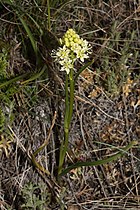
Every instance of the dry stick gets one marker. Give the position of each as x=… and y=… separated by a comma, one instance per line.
x=88, y=101
x=35, y=163
x=31, y=156
x=137, y=197
x=100, y=182
x=127, y=126
x=47, y=140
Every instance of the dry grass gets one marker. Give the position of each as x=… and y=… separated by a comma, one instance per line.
x=106, y=113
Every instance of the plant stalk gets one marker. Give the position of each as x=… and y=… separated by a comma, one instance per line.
x=68, y=116
x=49, y=15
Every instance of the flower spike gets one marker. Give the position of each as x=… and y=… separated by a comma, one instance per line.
x=73, y=48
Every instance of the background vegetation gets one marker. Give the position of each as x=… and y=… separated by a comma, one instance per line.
x=106, y=110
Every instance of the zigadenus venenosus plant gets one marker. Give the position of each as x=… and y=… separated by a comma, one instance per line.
x=73, y=48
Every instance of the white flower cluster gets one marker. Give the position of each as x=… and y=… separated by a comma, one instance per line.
x=73, y=48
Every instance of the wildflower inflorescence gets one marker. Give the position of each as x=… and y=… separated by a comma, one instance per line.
x=73, y=48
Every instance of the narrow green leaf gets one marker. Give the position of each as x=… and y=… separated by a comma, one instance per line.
x=31, y=37
x=18, y=78
x=100, y=162
x=35, y=76
x=15, y=79
x=82, y=69
x=37, y=25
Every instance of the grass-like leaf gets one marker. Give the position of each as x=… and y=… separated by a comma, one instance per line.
x=31, y=37
x=100, y=162
x=83, y=68
x=21, y=77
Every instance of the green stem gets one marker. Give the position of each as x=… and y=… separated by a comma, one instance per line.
x=67, y=120
x=68, y=114
x=49, y=15
x=71, y=96
x=66, y=102
x=62, y=148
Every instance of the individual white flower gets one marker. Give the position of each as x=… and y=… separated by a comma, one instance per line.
x=82, y=55
x=67, y=66
x=75, y=47
x=62, y=53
